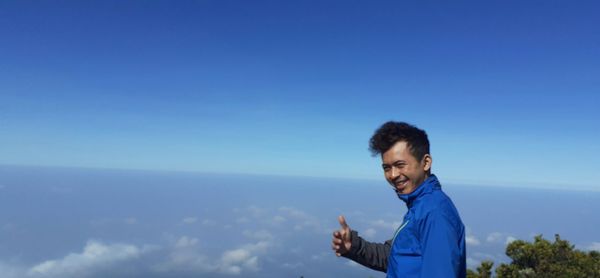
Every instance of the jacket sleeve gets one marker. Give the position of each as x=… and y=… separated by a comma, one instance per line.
x=441, y=245
x=370, y=254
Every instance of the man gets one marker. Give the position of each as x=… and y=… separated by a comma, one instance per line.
x=430, y=242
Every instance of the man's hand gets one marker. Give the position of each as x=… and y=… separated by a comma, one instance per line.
x=341, y=242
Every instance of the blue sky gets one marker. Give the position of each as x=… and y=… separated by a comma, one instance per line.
x=507, y=90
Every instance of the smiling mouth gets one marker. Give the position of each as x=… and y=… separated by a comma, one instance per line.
x=400, y=185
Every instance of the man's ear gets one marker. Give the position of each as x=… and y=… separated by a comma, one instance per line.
x=427, y=160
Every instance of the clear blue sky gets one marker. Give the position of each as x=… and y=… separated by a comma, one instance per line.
x=508, y=90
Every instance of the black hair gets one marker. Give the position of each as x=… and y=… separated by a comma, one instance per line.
x=392, y=132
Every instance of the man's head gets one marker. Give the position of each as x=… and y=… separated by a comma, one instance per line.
x=405, y=157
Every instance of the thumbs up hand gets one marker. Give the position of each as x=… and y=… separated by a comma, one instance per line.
x=342, y=242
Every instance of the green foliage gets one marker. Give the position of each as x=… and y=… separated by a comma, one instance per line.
x=483, y=271
x=542, y=258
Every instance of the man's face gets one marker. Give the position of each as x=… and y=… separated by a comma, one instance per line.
x=402, y=170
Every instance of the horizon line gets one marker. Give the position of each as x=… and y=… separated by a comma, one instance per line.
x=460, y=182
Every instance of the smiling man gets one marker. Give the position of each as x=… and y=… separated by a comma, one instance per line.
x=430, y=242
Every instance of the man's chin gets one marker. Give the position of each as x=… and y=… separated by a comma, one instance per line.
x=400, y=190
x=404, y=190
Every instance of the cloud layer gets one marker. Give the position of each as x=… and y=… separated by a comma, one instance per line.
x=95, y=255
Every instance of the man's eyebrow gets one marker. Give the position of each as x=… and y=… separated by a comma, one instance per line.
x=395, y=162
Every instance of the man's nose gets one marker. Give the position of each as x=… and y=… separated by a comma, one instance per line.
x=395, y=173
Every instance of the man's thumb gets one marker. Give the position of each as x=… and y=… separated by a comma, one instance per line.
x=342, y=221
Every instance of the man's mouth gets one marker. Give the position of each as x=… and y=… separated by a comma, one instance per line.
x=400, y=184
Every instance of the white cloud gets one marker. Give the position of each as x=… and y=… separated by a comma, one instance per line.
x=485, y=256
x=184, y=242
x=252, y=211
x=472, y=240
x=209, y=222
x=294, y=212
x=95, y=255
x=475, y=258
x=243, y=258
x=497, y=237
x=259, y=247
x=232, y=269
x=494, y=237
x=189, y=220
x=233, y=261
x=277, y=219
x=236, y=256
x=595, y=246
x=302, y=220
x=389, y=225
x=186, y=255
x=510, y=239
x=369, y=233
x=293, y=265
x=472, y=263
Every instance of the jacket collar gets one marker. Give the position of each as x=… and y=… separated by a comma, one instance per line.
x=430, y=184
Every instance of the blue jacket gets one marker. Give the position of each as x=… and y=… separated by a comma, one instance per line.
x=431, y=240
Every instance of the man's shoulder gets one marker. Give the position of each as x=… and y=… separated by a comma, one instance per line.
x=438, y=204
x=437, y=200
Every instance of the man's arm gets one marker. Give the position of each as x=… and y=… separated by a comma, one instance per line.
x=442, y=244
x=347, y=243
x=370, y=254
